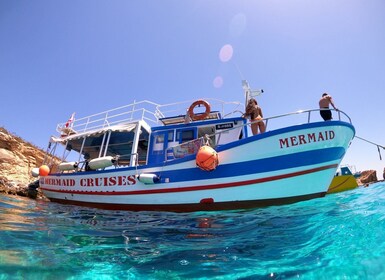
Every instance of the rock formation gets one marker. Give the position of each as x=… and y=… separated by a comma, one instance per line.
x=17, y=158
x=368, y=176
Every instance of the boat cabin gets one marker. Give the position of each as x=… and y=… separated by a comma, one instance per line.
x=177, y=140
x=134, y=143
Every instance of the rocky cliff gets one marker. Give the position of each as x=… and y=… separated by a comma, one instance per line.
x=17, y=158
x=367, y=177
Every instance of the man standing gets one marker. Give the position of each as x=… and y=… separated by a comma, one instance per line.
x=324, y=103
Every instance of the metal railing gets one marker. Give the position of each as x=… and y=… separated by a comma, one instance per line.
x=143, y=110
x=192, y=147
x=180, y=108
x=152, y=113
x=309, y=114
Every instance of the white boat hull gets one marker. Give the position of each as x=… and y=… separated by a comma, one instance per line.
x=277, y=167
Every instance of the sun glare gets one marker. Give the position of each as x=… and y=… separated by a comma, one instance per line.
x=226, y=53
x=218, y=82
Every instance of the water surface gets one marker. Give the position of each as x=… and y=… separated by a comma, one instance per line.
x=340, y=236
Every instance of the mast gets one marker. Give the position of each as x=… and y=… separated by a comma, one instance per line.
x=249, y=93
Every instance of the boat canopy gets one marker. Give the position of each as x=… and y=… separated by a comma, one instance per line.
x=117, y=128
x=120, y=141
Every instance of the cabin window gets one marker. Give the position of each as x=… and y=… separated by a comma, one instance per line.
x=170, y=136
x=159, y=139
x=207, y=130
x=185, y=135
x=158, y=143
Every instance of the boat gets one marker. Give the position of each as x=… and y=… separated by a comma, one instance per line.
x=344, y=180
x=197, y=155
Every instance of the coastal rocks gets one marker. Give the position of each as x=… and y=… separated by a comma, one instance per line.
x=17, y=158
x=383, y=174
x=367, y=176
x=11, y=187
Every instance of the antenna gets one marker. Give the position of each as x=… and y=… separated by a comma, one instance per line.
x=249, y=93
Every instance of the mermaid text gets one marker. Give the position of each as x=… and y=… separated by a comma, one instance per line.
x=302, y=139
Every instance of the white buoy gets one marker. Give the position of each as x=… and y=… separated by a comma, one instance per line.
x=67, y=166
x=35, y=172
x=101, y=162
x=148, y=178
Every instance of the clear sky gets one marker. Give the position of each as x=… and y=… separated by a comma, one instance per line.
x=86, y=56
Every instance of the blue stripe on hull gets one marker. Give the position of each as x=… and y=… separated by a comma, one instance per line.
x=296, y=160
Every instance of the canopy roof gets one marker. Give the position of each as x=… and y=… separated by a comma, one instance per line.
x=120, y=138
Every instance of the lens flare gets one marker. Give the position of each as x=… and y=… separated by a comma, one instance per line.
x=218, y=82
x=226, y=53
x=237, y=25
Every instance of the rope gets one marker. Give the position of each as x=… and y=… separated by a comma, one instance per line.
x=207, y=138
x=375, y=144
x=370, y=142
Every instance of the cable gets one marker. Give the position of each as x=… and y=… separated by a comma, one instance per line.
x=378, y=146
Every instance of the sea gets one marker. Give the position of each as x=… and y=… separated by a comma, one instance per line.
x=339, y=236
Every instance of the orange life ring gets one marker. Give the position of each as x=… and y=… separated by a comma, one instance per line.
x=196, y=117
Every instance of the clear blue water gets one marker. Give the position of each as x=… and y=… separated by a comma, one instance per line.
x=340, y=236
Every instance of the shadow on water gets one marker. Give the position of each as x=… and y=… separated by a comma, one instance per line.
x=341, y=234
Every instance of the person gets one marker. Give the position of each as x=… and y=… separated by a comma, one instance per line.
x=324, y=103
x=86, y=162
x=254, y=113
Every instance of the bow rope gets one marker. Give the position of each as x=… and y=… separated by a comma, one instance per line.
x=378, y=146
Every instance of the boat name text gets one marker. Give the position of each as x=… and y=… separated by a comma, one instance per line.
x=224, y=126
x=302, y=139
x=91, y=182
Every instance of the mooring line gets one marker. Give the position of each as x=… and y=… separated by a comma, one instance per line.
x=375, y=144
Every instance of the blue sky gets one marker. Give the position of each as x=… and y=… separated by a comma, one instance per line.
x=59, y=57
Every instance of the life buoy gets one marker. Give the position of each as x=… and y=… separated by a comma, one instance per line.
x=197, y=117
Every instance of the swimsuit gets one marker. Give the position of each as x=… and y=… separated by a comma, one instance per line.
x=326, y=114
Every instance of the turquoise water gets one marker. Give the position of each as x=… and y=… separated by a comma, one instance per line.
x=340, y=236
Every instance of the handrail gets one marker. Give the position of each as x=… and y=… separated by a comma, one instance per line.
x=142, y=110
x=181, y=108
x=309, y=111
x=153, y=112
x=195, y=144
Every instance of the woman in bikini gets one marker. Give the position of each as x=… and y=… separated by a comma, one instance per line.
x=254, y=113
